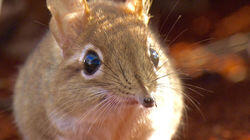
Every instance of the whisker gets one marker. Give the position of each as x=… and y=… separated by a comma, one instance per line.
x=171, y=11
x=198, y=87
x=113, y=76
x=109, y=108
x=69, y=104
x=99, y=112
x=58, y=113
x=185, y=87
x=159, y=78
x=42, y=24
x=110, y=70
x=172, y=27
x=105, y=114
x=171, y=43
x=96, y=84
x=202, y=41
x=122, y=71
x=93, y=109
x=193, y=101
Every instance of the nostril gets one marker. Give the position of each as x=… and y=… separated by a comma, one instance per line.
x=148, y=102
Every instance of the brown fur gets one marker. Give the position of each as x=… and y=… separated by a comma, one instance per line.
x=51, y=96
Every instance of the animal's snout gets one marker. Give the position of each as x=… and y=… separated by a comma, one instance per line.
x=148, y=102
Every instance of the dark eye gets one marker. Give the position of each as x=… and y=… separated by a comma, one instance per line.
x=154, y=57
x=91, y=62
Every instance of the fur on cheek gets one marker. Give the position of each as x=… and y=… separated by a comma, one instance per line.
x=70, y=127
x=166, y=116
x=64, y=123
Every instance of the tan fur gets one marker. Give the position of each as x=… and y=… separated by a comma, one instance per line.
x=52, y=98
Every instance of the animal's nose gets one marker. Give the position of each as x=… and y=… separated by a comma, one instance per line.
x=148, y=102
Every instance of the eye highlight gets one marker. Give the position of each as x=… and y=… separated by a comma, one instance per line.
x=154, y=57
x=91, y=62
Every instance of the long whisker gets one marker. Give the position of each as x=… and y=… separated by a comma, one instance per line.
x=68, y=105
x=110, y=70
x=92, y=109
x=99, y=112
x=189, y=98
x=109, y=108
x=172, y=27
x=171, y=43
x=171, y=11
x=201, y=41
x=95, y=84
x=105, y=112
x=121, y=69
x=185, y=86
x=197, y=87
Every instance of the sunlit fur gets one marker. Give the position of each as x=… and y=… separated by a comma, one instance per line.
x=141, y=7
x=54, y=101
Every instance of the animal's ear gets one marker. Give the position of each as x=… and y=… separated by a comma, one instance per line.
x=68, y=19
x=140, y=7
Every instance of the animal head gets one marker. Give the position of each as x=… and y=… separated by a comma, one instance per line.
x=110, y=55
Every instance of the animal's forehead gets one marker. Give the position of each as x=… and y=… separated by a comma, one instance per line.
x=106, y=16
x=112, y=29
x=124, y=23
x=120, y=32
x=107, y=9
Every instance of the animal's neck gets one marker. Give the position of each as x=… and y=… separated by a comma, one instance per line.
x=126, y=124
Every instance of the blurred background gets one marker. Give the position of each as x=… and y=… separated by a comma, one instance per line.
x=209, y=41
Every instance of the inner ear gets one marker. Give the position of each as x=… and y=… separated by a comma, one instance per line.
x=68, y=20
